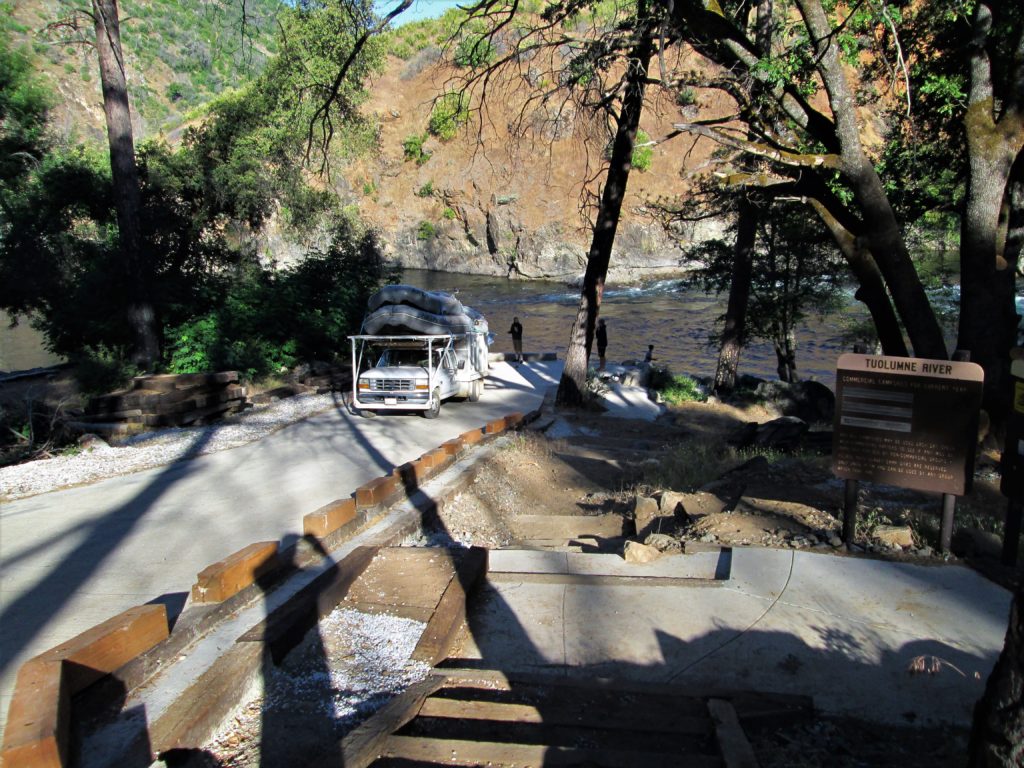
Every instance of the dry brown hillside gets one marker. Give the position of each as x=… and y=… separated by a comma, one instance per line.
x=502, y=203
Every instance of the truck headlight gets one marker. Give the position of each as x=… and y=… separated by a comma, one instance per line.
x=363, y=384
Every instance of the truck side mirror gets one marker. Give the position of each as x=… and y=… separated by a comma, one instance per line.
x=462, y=365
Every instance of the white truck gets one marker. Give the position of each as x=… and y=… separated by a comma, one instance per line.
x=413, y=373
x=417, y=349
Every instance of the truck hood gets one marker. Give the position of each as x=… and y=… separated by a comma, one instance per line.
x=396, y=372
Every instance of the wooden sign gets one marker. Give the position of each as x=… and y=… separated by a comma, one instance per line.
x=907, y=421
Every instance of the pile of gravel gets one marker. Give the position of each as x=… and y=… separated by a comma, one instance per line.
x=154, y=449
x=344, y=670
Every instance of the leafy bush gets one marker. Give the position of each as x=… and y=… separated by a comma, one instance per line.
x=682, y=389
x=102, y=369
x=473, y=51
x=642, y=155
x=413, y=148
x=449, y=213
x=686, y=97
x=272, y=320
x=426, y=190
x=425, y=231
x=449, y=113
x=641, y=159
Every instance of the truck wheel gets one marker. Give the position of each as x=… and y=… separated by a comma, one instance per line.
x=476, y=389
x=435, y=406
x=367, y=414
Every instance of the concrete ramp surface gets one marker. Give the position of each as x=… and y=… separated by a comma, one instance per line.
x=882, y=641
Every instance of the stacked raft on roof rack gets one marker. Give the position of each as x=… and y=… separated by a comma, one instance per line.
x=397, y=310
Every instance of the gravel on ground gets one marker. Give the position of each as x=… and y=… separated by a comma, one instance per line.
x=98, y=460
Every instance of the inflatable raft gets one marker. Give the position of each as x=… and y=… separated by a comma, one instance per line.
x=399, y=310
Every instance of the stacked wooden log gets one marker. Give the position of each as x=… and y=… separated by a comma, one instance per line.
x=167, y=401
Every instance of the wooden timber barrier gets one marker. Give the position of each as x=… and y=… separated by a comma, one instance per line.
x=40, y=714
x=166, y=401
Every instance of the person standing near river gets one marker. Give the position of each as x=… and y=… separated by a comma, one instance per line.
x=517, y=338
x=602, y=343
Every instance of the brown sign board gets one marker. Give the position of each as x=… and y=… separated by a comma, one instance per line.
x=906, y=421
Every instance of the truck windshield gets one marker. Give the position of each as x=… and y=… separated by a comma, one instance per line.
x=393, y=358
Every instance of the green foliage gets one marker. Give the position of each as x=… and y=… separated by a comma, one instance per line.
x=412, y=147
x=24, y=109
x=271, y=320
x=686, y=97
x=681, y=389
x=450, y=112
x=796, y=270
x=449, y=213
x=473, y=52
x=642, y=155
x=425, y=231
x=99, y=370
x=426, y=190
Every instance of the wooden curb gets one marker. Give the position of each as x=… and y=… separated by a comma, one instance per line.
x=495, y=427
x=472, y=437
x=453, y=447
x=376, y=491
x=217, y=582
x=329, y=517
x=450, y=613
x=514, y=420
x=38, y=721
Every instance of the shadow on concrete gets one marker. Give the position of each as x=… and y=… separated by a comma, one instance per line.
x=26, y=616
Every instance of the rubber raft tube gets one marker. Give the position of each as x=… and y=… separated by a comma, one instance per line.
x=433, y=302
x=399, y=319
x=405, y=309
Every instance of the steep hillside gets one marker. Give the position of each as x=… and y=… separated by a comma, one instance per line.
x=490, y=201
x=179, y=54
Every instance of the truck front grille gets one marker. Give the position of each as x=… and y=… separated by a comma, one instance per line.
x=392, y=385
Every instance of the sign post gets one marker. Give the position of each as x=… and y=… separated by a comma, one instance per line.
x=909, y=422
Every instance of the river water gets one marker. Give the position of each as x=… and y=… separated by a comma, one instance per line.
x=675, y=319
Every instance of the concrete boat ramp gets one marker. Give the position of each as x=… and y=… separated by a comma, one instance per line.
x=551, y=656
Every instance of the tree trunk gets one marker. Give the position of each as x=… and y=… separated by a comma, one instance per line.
x=572, y=387
x=988, y=313
x=881, y=229
x=733, y=334
x=997, y=736
x=125, y=179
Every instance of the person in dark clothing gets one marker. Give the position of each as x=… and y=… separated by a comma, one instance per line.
x=649, y=357
x=602, y=342
x=517, y=338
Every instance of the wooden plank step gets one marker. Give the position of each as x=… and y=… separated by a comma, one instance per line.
x=576, y=713
x=456, y=752
x=732, y=741
x=598, y=703
x=590, y=735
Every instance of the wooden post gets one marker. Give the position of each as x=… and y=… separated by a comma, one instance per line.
x=851, y=489
x=946, y=534
x=948, y=499
x=850, y=511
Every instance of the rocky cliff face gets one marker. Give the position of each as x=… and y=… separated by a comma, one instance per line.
x=494, y=202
